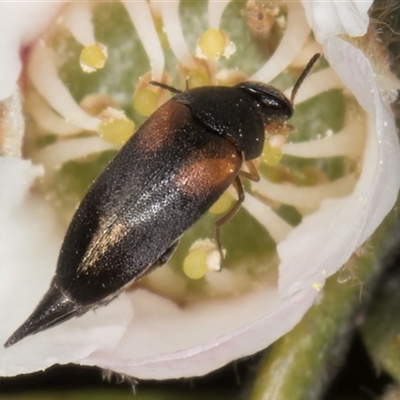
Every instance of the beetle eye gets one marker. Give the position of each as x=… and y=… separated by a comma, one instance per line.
x=274, y=104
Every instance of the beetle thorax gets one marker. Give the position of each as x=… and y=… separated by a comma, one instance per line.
x=228, y=112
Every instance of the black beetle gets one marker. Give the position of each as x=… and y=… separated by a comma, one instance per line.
x=164, y=178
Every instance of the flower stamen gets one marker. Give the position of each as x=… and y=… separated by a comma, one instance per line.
x=173, y=30
x=296, y=34
x=305, y=197
x=57, y=154
x=142, y=19
x=215, y=11
x=315, y=84
x=78, y=19
x=347, y=142
x=44, y=75
x=276, y=226
x=203, y=257
x=47, y=118
x=93, y=57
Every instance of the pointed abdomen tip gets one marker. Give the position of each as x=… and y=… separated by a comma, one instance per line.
x=54, y=308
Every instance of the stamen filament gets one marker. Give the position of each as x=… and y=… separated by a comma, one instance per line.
x=305, y=197
x=54, y=155
x=215, y=11
x=142, y=19
x=348, y=142
x=173, y=30
x=78, y=19
x=296, y=34
x=46, y=118
x=315, y=84
x=44, y=75
x=272, y=222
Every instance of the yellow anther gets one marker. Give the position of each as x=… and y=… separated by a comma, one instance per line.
x=199, y=77
x=195, y=263
x=223, y=204
x=212, y=44
x=93, y=57
x=116, y=131
x=271, y=155
x=145, y=101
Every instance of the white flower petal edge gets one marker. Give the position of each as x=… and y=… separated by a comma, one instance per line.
x=326, y=239
x=330, y=18
x=167, y=341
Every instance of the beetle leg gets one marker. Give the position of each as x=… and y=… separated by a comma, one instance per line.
x=237, y=184
x=252, y=173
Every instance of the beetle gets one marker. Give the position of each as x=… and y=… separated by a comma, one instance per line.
x=163, y=179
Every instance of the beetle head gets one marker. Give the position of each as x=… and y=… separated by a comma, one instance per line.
x=273, y=104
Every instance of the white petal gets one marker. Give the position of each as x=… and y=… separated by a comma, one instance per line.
x=168, y=341
x=325, y=240
x=329, y=18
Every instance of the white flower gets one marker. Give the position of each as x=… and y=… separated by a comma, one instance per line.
x=148, y=336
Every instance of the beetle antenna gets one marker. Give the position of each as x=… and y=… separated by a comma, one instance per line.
x=307, y=69
x=164, y=86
